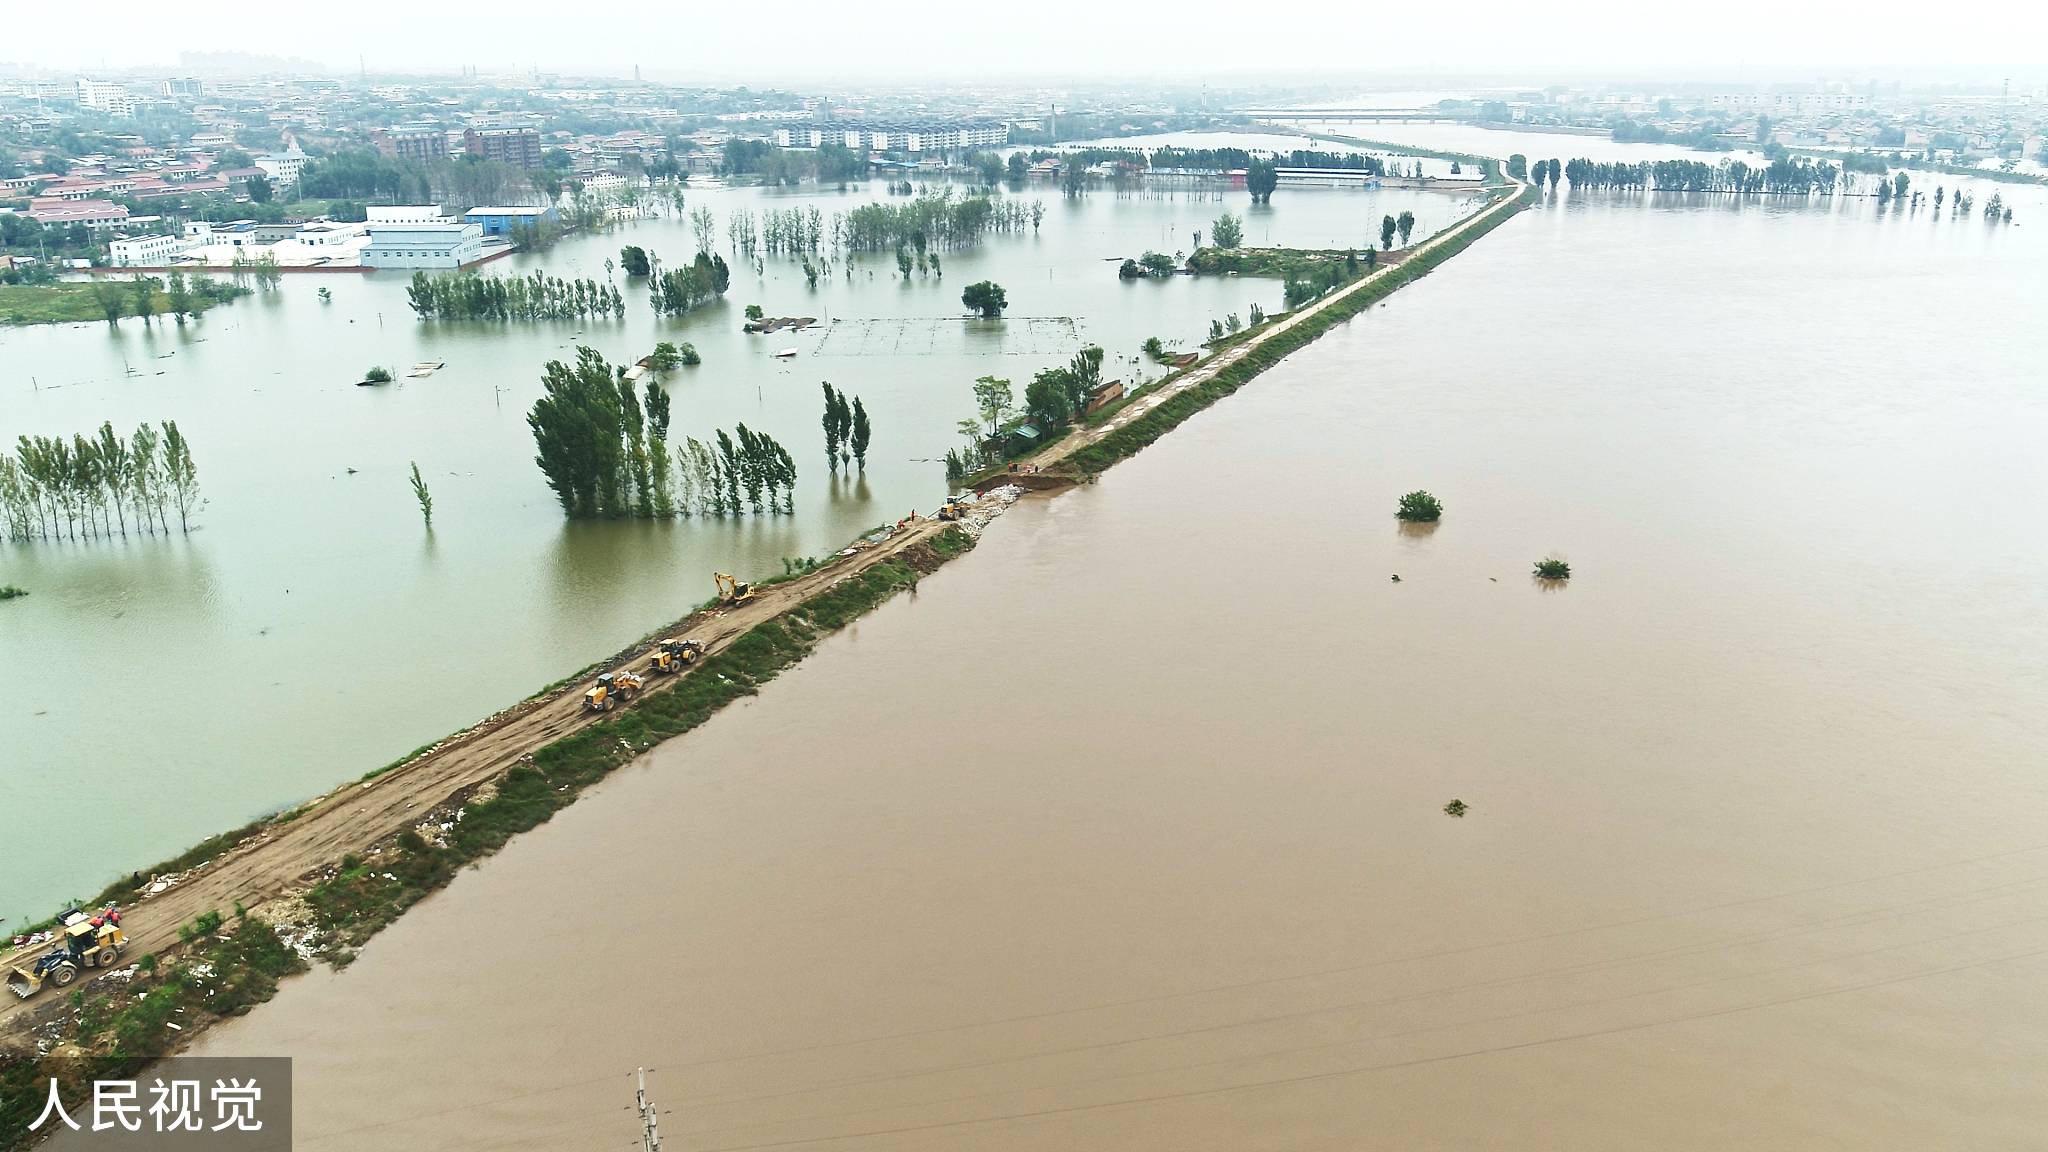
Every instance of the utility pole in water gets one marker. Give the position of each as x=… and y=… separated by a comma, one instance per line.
x=650, y=1132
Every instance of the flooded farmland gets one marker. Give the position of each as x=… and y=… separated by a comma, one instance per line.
x=1128, y=830
x=310, y=631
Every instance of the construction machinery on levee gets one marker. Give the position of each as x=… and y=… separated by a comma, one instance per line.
x=85, y=940
x=733, y=592
x=672, y=656
x=613, y=689
x=669, y=658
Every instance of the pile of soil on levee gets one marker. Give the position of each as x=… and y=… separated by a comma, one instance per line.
x=922, y=557
x=1031, y=480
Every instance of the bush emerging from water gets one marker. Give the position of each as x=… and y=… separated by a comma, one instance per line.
x=987, y=298
x=1419, y=507
x=1553, y=569
x=378, y=375
x=11, y=592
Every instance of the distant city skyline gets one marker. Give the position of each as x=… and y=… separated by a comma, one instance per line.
x=1067, y=40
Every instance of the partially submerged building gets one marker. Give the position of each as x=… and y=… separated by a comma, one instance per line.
x=444, y=242
x=511, y=219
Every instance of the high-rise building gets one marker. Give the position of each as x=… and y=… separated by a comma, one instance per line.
x=516, y=146
x=413, y=142
x=101, y=96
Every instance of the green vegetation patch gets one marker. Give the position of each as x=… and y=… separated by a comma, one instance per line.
x=119, y=1032
x=1277, y=263
x=76, y=302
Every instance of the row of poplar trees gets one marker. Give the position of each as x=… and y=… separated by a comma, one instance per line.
x=846, y=430
x=86, y=487
x=604, y=447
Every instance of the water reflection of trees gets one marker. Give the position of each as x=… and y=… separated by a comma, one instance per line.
x=593, y=565
x=168, y=576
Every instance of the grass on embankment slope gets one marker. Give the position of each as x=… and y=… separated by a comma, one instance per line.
x=356, y=901
x=229, y=967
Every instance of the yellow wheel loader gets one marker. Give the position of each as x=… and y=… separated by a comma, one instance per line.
x=672, y=656
x=84, y=942
x=611, y=690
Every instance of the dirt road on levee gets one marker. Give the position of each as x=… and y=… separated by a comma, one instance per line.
x=357, y=816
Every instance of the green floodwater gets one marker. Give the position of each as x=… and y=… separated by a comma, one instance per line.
x=310, y=630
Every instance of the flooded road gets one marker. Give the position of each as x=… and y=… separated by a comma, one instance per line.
x=1127, y=830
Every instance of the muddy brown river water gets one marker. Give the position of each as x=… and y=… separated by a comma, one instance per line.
x=1127, y=830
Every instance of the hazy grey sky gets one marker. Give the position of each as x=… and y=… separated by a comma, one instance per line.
x=1179, y=39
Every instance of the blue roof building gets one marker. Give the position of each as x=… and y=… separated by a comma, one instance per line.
x=500, y=221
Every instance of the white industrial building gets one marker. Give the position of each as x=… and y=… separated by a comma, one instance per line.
x=921, y=136
x=407, y=214
x=147, y=251
x=448, y=243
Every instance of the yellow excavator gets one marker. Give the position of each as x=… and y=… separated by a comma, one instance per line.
x=84, y=940
x=952, y=509
x=672, y=656
x=731, y=591
x=611, y=690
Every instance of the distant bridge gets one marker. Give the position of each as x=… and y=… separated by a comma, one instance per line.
x=1383, y=115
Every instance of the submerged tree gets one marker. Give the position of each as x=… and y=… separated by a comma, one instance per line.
x=577, y=431
x=469, y=296
x=861, y=431
x=604, y=451
x=986, y=297
x=180, y=475
x=425, y=498
x=1419, y=507
x=55, y=488
x=657, y=408
x=835, y=421
x=1261, y=178
x=1227, y=231
x=116, y=464
x=675, y=291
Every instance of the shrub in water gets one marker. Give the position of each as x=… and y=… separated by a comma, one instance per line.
x=1419, y=507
